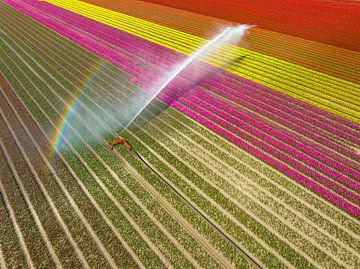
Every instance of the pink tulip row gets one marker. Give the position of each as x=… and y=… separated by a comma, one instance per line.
x=213, y=107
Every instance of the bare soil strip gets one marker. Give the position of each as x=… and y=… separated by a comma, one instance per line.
x=2, y=259
x=17, y=214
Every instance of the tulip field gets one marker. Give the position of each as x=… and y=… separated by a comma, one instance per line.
x=250, y=157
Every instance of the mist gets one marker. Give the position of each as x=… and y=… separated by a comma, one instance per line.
x=111, y=101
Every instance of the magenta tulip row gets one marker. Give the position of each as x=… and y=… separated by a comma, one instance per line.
x=274, y=141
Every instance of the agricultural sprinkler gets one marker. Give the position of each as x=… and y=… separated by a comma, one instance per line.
x=120, y=140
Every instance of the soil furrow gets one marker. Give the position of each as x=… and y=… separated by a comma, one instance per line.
x=12, y=254
x=24, y=213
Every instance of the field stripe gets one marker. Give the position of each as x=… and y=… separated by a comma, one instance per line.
x=12, y=215
x=230, y=114
x=216, y=254
x=196, y=42
x=240, y=228
x=323, y=26
x=53, y=207
x=44, y=157
x=281, y=166
x=35, y=173
x=287, y=68
x=223, y=108
x=201, y=25
x=227, y=147
x=73, y=174
x=326, y=102
x=318, y=111
x=232, y=188
x=350, y=130
x=221, y=188
x=88, y=226
x=228, y=171
x=127, y=216
x=25, y=194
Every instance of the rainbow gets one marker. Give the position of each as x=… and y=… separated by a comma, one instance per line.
x=67, y=114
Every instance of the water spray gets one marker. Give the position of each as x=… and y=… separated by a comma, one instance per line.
x=228, y=35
